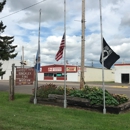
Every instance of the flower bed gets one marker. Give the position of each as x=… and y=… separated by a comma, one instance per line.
x=88, y=98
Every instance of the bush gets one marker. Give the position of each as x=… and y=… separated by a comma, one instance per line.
x=93, y=94
x=60, y=90
x=46, y=89
x=121, y=98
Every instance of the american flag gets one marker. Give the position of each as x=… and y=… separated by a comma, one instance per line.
x=61, y=48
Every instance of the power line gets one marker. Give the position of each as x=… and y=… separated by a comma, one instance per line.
x=23, y=9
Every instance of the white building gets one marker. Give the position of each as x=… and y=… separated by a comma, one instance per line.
x=122, y=73
x=95, y=74
x=7, y=66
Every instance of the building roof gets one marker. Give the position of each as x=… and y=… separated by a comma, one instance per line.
x=123, y=64
x=58, y=65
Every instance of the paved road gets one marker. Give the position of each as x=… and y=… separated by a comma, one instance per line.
x=111, y=87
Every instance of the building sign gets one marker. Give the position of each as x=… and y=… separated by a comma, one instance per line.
x=24, y=76
x=79, y=69
x=72, y=69
x=52, y=69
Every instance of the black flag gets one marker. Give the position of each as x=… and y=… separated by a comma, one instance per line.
x=110, y=57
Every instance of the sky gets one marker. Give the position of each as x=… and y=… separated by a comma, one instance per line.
x=22, y=20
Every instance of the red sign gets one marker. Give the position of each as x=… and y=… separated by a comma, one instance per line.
x=24, y=76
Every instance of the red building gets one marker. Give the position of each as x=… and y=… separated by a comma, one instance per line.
x=56, y=72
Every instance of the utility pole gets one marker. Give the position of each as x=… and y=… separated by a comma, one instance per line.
x=22, y=58
x=23, y=55
x=92, y=63
x=82, y=46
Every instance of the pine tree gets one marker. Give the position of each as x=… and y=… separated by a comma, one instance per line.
x=6, y=47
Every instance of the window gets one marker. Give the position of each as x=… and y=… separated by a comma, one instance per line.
x=59, y=74
x=48, y=74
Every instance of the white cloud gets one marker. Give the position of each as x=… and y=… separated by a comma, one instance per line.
x=24, y=27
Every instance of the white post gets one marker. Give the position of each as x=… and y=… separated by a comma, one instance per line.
x=35, y=89
x=65, y=102
x=103, y=85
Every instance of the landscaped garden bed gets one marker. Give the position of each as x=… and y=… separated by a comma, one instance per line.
x=88, y=98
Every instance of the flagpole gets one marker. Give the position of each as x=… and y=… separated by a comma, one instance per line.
x=103, y=84
x=36, y=76
x=65, y=102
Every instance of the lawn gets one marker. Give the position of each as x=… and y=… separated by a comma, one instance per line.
x=22, y=115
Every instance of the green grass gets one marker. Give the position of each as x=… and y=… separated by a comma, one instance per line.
x=22, y=115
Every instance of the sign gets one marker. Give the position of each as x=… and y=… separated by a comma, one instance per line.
x=79, y=69
x=71, y=69
x=24, y=76
x=52, y=69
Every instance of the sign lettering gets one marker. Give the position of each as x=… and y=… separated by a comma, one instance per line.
x=24, y=76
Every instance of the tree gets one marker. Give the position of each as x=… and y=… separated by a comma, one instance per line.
x=6, y=47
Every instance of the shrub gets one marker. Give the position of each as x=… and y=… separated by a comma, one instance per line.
x=60, y=90
x=93, y=94
x=96, y=98
x=121, y=98
x=46, y=89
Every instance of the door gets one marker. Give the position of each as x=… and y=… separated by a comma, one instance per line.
x=54, y=77
x=125, y=78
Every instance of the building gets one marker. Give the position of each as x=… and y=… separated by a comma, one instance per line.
x=55, y=72
x=7, y=66
x=122, y=73
x=95, y=74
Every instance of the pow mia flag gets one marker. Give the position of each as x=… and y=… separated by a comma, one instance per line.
x=110, y=57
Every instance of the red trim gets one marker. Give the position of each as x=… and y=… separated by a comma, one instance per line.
x=60, y=78
x=122, y=64
x=48, y=78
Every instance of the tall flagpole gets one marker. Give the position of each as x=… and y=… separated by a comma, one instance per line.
x=103, y=85
x=36, y=77
x=65, y=102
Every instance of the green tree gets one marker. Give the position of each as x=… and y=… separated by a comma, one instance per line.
x=6, y=47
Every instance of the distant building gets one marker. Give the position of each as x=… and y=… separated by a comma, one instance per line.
x=55, y=72
x=7, y=66
x=122, y=73
x=95, y=74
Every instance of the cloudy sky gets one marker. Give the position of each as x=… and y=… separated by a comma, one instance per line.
x=22, y=20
